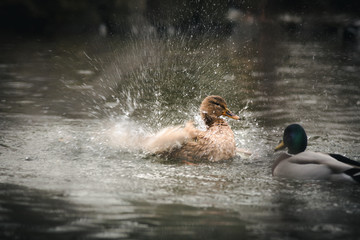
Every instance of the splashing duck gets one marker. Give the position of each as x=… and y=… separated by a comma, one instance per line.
x=301, y=164
x=214, y=144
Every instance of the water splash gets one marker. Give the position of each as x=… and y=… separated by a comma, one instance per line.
x=150, y=78
x=146, y=84
x=126, y=134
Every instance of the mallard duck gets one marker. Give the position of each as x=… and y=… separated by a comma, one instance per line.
x=216, y=143
x=301, y=164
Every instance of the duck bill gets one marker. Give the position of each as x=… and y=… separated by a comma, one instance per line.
x=280, y=146
x=229, y=114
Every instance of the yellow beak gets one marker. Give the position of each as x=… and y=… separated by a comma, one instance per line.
x=280, y=146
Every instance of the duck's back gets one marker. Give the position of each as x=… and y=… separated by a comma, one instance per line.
x=215, y=144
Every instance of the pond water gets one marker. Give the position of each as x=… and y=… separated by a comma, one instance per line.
x=72, y=111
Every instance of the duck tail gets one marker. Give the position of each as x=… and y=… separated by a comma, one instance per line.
x=354, y=173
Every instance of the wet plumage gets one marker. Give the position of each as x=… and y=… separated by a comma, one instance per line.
x=216, y=143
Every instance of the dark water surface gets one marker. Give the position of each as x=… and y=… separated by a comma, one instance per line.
x=70, y=111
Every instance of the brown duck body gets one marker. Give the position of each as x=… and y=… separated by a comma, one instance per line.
x=216, y=143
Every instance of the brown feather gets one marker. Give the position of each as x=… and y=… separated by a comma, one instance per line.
x=216, y=143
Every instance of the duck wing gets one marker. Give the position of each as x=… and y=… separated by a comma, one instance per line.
x=302, y=166
x=170, y=138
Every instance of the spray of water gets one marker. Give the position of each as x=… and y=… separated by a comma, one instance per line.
x=127, y=135
x=149, y=87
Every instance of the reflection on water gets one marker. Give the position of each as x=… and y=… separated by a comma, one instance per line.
x=43, y=215
x=66, y=107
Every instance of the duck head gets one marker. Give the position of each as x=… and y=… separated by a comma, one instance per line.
x=294, y=139
x=212, y=107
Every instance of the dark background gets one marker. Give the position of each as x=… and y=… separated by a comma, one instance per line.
x=67, y=17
